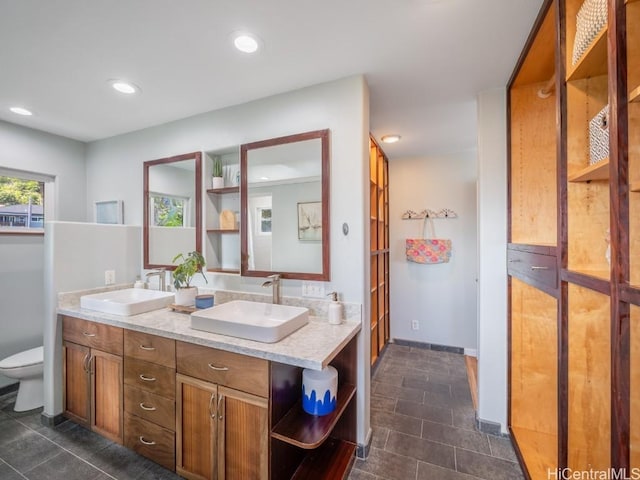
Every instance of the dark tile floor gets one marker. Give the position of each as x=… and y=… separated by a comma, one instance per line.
x=421, y=415
x=423, y=423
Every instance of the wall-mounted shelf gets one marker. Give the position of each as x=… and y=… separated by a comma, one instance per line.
x=221, y=230
x=308, y=431
x=594, y=60
x=634, y=186
x=597, y=171
x=634, y=96
x=219, y=191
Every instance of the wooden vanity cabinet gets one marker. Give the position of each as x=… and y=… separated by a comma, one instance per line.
x=222, y=414
x=92, y=375
x=149, y=396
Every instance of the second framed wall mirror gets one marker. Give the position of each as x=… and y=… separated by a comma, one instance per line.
x=172, y=208
x=284, y=199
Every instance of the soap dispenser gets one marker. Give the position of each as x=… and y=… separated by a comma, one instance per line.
x=335, y=309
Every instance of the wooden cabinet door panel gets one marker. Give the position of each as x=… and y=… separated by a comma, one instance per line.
x=243, y=439
x=195, y=428
x=77, y=386
x=107, y=395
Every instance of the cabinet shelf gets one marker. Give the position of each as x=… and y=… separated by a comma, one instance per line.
x=221, y=191
x=332, y=460
x=223, y=230
x=598, y=171
x=308, y=431
x=634, y=186
x=634, y=96
x=593, y=61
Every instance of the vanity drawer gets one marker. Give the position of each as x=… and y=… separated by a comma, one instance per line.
x=150, y=348
x=150, y=440
x=233, y=370
x=150, y=407
x=535, y=268
x=150, y=377
x=94, y=335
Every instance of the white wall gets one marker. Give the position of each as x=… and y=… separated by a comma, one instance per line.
x=114, y=170
x=76, y=256
x=492, y=252
x=442, y=297
x=21, y=256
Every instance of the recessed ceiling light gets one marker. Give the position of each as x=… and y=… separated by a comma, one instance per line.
x=21, y=111
x=391, y=138
x=246, y=42
x=124, y=87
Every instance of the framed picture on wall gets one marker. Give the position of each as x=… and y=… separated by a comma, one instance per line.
x=310, y=221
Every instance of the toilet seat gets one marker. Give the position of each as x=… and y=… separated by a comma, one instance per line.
x=27, y=358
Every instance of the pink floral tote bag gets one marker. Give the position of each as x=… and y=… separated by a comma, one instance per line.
x=428, y=250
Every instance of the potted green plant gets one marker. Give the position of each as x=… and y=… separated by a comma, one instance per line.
x=217, y=180
x=189, y=265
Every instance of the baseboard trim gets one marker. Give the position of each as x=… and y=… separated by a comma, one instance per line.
x=12, y=387
x=428, y=346
x=362, y=451
x=490, y=428
x=51, y=421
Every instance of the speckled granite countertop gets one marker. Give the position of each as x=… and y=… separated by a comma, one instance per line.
x=312, y=346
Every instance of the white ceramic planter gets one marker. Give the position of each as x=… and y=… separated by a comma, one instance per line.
x=217, y=182
x=186, y=296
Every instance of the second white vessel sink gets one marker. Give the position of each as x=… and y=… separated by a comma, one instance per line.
x=262, y=322
x=128, y=301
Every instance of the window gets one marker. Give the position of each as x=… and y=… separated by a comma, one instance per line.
x=264, y=220
x=21, y=204
x=169, y=211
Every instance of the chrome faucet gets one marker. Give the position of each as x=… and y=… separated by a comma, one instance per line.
x=161, y=274
x=275, y=283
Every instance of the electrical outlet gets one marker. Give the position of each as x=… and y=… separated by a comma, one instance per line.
x=415, y=325
x=313, y=289
x=109, y=277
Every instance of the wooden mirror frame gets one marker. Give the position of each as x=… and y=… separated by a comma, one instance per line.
x=197, y=156
x=325, y=274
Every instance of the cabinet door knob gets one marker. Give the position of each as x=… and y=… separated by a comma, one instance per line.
x=85, y=363
x=149, y=349
x=218, y=369
x=533, y=267
x=87, y=334
x=144, y=407
x=147, y=379
x=146, y=442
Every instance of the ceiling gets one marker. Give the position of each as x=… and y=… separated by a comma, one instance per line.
x=424, y=60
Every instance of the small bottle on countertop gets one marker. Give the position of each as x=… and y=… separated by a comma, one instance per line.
x=335, y=309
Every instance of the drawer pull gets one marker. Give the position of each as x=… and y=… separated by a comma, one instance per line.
x=212, y=414
x=149, y=349
x=87, y=334
x=146, y=442
x=533, y=267
x=218, y=369
x=220, y=406
x=148, y=409
x=147, y=379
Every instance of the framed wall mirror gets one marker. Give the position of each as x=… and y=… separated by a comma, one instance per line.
x=172, y=208
x=284, y=202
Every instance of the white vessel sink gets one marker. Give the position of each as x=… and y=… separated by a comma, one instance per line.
x=128, y=301
x=262, y=322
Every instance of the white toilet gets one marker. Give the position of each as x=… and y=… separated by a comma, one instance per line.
x=27, y=367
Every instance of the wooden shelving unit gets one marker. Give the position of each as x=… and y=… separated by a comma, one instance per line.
x=223, y=230
x=308, y=431
x=594, y=60
x=222, y=191
x=329, y=461
x=597, y=171
x=634, y=96
x=379, y=230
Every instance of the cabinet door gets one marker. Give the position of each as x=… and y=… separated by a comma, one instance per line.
x=107, y=395
x=243, y=437
x=77, y=390
x=196, y=403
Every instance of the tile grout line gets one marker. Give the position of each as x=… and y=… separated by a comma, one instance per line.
x=62, y=448
x=11, y=467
